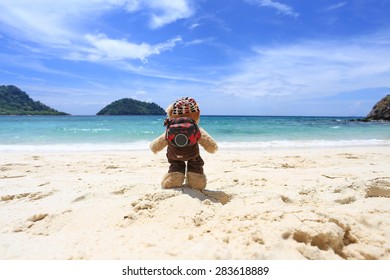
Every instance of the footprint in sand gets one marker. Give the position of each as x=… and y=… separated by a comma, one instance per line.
x=31, y=196
x=202, y=217
x=325, y=234
x=30, y=222
x=147, y=203
x=346, y=200
x=348, y=156
x=79, y=198
x=378, y=188
x=37, y=217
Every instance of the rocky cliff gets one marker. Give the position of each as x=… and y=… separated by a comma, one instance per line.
x=381, y=110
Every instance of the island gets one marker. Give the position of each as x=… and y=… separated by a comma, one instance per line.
x=129, y=106
x=14, y=101
x=380, y=111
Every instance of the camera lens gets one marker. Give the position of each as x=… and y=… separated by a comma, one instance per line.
x=181, y=140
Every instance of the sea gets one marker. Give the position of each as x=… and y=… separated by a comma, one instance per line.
x=96, y=133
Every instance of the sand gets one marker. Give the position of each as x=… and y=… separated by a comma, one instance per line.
x=259, y=204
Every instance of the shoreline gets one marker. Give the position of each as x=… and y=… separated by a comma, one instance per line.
x=223, y=146
x=329, y=203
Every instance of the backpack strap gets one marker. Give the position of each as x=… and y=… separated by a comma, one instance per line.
x=166, y=122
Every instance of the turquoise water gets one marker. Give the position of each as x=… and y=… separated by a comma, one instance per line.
x=135, y=132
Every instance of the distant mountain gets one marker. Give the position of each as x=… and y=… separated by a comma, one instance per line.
x=13, y=101
x=129, y=106
x=381, y=110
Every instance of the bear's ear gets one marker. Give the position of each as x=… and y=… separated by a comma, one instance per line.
x=169, y=110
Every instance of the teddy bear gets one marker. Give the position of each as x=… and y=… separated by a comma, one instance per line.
x=185, y=161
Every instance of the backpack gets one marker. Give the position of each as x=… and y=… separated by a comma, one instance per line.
x=181, y=132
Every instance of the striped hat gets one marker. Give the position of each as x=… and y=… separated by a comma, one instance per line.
x=185, y=105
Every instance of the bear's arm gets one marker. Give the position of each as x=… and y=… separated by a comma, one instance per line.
x=207, y=142
x=158, y=144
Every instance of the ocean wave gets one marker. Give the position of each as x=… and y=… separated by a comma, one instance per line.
x=78, y=147
x=86, y=129
x=303, y=144
x=144, y=145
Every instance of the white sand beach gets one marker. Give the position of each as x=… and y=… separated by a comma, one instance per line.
x=259, y=204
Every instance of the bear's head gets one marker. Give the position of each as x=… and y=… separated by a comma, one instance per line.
x=184, y=107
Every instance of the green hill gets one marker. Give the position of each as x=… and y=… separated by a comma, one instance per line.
x=128, y=106
x=13, y=101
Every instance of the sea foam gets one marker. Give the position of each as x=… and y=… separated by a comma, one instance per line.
x=144, y=145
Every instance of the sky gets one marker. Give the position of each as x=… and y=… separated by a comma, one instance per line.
x=235, y=57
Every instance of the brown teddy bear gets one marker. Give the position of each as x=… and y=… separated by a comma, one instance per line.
x=184, y=149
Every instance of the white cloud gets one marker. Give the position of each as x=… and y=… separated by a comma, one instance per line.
x=167, y=11
x=36, y=23
x=60, y=27
x=336, y=6
x=133, y=5
x=311, y=69
x=161, y=12
x=140, y=92
x=38, y=12
x=199, y=42
x=105, y=48
x=194, y=26
x=280, y=7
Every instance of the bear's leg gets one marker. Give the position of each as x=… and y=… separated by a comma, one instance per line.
x=196, y=180
x=195, y=176
x=172, y=180
x=175, y=176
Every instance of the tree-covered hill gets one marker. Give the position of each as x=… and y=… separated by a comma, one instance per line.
x=129, y=106
x=14, y=101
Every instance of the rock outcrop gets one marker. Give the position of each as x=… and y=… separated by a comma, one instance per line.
x=381, y=110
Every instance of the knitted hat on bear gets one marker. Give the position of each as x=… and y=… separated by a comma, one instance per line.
x=185, y=105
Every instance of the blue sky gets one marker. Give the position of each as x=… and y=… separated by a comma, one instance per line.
x=236, y=57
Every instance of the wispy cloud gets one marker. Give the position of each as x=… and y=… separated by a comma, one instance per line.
x=336, y=6
x=106, y=49
x=280, y=7
x=161, y=12
x=167, y=11
x=208, y=19
x=199, y=42
x=311, y=69
x=62, y=26
x=34, y=23
x=194, y=26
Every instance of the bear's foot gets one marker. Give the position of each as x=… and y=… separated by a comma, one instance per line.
x=172, y=180
x=196, y=180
